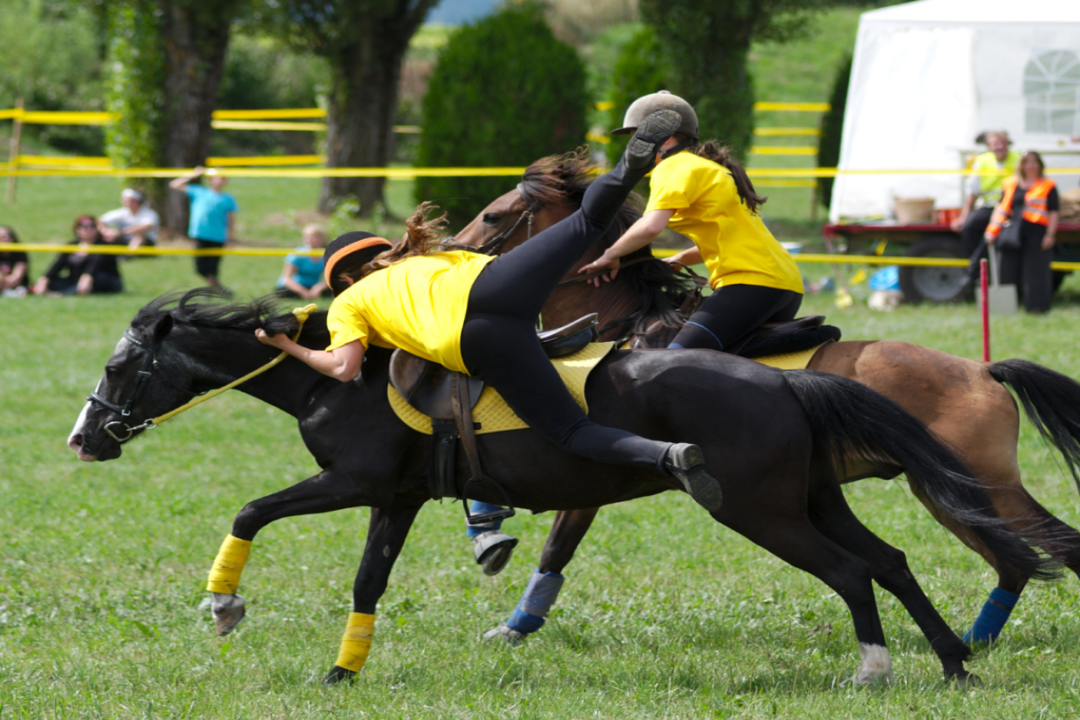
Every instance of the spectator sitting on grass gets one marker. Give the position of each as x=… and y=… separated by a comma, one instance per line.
x=134, y=223
x=303, y=275
x=81, y=272
x=14, y=266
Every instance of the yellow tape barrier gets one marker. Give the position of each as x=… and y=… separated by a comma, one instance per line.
x=411, y=173
x=781, y=150
x=791, y=107
x=781, y=131
x=658, y=252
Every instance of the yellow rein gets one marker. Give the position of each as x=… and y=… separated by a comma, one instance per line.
x=301, y=315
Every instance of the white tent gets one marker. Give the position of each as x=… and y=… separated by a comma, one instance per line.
x=928, y=76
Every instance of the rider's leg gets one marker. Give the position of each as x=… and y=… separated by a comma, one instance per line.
x=733, y=311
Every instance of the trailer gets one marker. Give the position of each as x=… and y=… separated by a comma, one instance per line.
x=932, y=240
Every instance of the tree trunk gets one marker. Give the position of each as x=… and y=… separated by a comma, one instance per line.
x=366, y=76
x=196, y=38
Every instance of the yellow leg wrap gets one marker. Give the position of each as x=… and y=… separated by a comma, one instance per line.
x=229, y=563
x=356, y=642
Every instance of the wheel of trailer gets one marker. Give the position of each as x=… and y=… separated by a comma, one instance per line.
x=933, y=284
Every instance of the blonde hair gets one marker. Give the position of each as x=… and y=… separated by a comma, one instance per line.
x=422, y=233
x=317, y=230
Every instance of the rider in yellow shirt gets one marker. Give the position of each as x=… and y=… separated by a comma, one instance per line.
x=476, y=314
x=701, y=192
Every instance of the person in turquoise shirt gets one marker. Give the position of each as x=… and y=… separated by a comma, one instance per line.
x=303, y=275
x=212, y=223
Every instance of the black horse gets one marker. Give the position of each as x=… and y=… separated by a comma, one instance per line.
x=771, y=438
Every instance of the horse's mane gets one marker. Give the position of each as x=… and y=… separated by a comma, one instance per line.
x=202, y=307
x=563, y=179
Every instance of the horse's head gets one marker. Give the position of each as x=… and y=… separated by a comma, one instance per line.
x=133, y=389
x=550, y=190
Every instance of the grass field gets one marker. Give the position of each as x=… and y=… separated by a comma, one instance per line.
x=665, y=614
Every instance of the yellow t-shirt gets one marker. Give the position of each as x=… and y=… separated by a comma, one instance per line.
x=418, y=305
x=737, y=247
x=991, y=173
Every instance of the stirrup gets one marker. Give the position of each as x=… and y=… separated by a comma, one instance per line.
x=507, y=511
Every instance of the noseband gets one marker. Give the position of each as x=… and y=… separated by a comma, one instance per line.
x=493, y=246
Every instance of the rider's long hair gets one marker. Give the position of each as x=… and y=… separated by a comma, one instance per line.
x=721, y=154
x=422, y=233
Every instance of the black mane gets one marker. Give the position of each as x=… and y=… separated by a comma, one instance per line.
x=198, y=307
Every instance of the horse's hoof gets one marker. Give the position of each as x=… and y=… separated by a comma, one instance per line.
x=506, y=634
x=338, y=675
x=492, y=550
x=228, y=611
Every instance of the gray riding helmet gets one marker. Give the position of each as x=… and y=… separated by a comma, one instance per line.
x=663, y=100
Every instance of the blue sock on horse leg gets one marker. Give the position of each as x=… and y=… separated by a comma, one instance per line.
x=995, y=613
x=482, y=507
x=530, y=614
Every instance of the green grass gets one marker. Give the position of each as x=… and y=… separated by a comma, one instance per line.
x=665, y=614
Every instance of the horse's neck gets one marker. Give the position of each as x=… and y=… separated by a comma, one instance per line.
x=216, y=357
x=613, y=300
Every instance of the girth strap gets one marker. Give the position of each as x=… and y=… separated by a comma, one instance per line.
x=459, y=397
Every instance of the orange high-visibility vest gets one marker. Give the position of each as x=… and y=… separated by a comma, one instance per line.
x=1035, y=200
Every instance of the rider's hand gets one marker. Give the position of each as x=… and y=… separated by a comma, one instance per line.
x=990, y=239
x=601, y=263
x=271, y=340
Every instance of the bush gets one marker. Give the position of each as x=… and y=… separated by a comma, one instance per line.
x=832, y=129
x=640, y=70
x=505, y=92
x=262, y=73
x=51, y=57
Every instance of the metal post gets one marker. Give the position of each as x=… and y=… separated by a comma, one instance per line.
x=13, y=151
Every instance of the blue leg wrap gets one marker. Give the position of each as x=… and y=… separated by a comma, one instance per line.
x=530, y=614
x=995, y=613
x=482, y=507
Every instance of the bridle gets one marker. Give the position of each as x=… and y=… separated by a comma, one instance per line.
x=151, y=363
x=142, y=379
x=494, y=245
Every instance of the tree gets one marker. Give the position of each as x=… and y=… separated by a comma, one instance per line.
x=640, y=70
x=169, y=58
x=364, y=43
x=505, y=92
x=707, y=43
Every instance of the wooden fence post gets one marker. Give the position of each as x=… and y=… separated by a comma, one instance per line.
x=13, y=151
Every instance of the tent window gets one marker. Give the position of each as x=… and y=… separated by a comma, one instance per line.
x=1052, y=93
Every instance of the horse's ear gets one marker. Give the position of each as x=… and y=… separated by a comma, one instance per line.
x=161, y=328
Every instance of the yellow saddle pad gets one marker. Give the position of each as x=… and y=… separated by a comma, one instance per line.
x=790, y=361
x=492, y=412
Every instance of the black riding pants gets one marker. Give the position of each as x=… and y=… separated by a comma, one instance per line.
x=1029, y=268
x=498, y=339
x=733, y=311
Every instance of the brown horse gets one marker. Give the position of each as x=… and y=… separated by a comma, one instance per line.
x=965, y=403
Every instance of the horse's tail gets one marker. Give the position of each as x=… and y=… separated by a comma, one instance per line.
x=1052, y=402
x=850, y=421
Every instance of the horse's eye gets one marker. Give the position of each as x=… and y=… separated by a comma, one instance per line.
x=111, y=371
x=492, y=218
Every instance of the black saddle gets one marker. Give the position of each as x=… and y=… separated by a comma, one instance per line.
x=426, y=385
x=785, y=337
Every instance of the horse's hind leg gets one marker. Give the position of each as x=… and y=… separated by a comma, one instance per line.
x=566, y=534
x=797, y=542
x=324, y=492
x=831, y=514
x=386, y=536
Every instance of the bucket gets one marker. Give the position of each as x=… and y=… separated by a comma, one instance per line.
x=914, y=210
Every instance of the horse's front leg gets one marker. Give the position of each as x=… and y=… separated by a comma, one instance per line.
x=386, y=536
x=329, y=490
x=530, y=615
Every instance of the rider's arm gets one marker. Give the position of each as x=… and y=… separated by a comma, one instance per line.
x=341, y=363
x=640, y=234
x=687, y=257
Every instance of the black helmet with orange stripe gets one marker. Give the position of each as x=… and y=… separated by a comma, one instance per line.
x=347, y=254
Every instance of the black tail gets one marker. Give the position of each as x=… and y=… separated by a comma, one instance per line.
x=852, y=421
x=1052, y=402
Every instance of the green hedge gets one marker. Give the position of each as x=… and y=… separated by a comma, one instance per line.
x=832, y=129
x=640, y=70
x=505, y=92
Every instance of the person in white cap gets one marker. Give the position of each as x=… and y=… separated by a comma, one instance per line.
x=134, y=223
